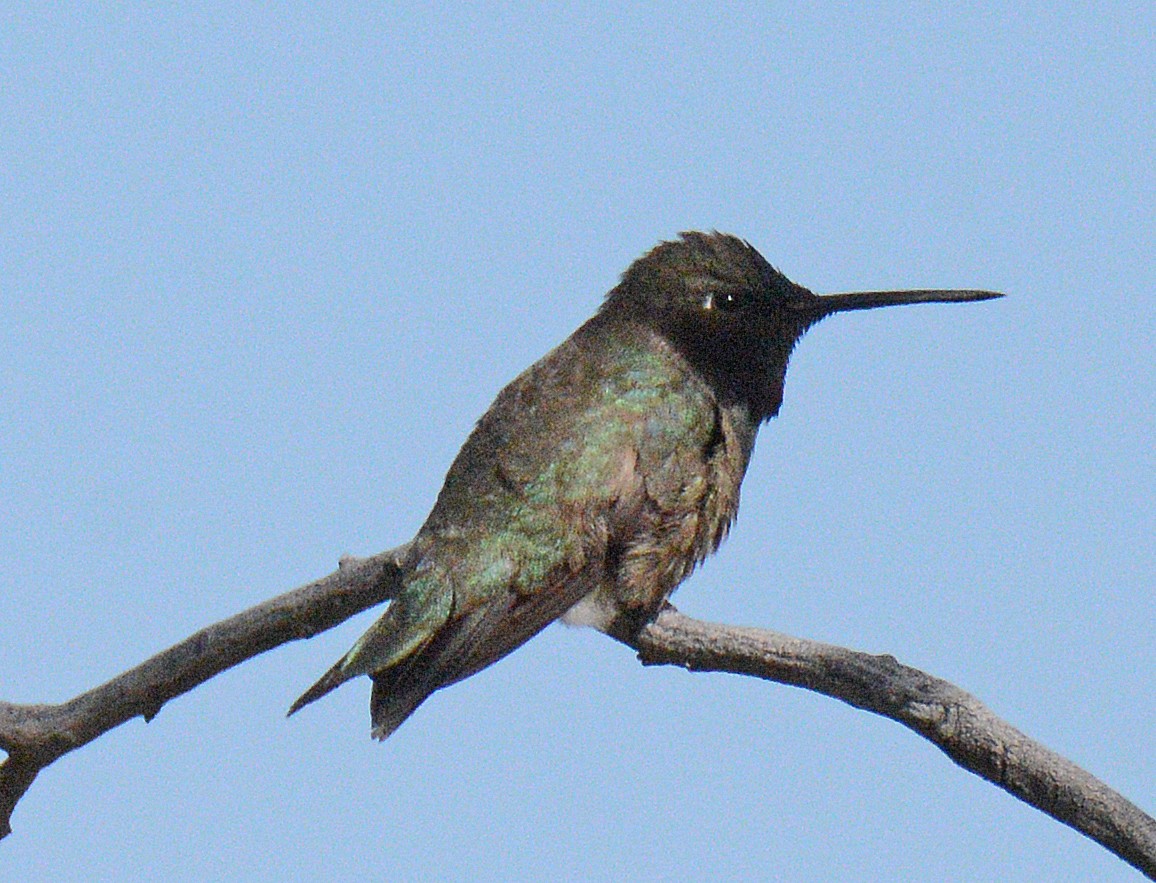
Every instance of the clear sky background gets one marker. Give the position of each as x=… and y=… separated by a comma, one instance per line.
x=262, y=268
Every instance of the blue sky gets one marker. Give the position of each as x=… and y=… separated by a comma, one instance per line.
x=262, y=268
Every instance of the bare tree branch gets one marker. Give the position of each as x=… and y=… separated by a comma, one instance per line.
x=952, y=719
x=34, y=736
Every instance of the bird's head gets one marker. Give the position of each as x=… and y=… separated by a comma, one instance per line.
x=734, y=316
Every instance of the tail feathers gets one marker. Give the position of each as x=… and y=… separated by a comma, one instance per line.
x=389, y=708
x=329, y=681
x=392, y=703
x=402, y=631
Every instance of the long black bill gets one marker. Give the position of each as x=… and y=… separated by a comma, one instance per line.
x=826, y=304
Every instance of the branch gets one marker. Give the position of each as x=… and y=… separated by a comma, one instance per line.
x=955, y=721
x=35, y=736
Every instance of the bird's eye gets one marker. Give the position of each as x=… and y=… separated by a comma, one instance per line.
x=727, y=301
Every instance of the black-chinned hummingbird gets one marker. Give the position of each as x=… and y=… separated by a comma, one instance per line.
x=603, y=474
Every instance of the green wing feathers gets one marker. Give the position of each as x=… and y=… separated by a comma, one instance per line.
x=575, y=451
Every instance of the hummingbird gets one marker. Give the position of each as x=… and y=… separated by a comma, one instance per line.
x=603, y=474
